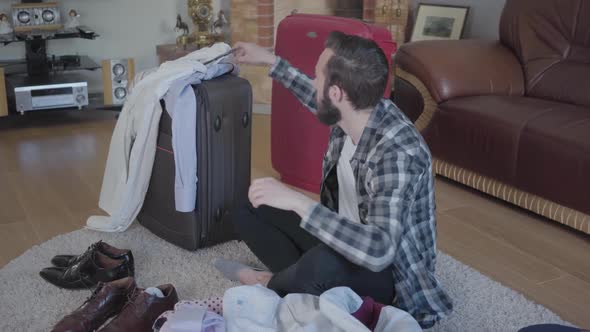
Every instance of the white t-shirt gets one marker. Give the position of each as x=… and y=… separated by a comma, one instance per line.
x=347, y=198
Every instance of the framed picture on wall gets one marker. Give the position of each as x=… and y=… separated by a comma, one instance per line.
x=439, y=22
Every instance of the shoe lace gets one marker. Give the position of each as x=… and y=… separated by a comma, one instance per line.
x=131, y=296
x=93, y=295
x=89, y=251
x=82, y=273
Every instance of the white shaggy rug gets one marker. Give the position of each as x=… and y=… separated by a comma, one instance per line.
x=28, y=303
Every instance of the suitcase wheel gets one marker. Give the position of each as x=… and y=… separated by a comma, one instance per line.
x=245, y=120
x=218, y=215
x=217, y=124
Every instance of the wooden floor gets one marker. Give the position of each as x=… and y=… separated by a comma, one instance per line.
x=51, y=171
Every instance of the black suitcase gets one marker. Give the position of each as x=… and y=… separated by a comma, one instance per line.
x=223, y=168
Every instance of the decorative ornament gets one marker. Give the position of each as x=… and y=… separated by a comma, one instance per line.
x=201, y=13
x=5, y=27
x=72, y=21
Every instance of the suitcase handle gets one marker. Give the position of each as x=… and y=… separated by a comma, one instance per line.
x=245, y=120
x=217, y=123
x=218, y=214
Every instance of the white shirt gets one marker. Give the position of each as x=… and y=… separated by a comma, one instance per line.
x=259, y=309
x=347, y=197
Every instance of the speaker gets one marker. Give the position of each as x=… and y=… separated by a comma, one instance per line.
x=3, y=103
x=117, y=74
x=33, y=16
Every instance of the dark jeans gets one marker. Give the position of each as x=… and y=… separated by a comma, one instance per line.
x=301, y=263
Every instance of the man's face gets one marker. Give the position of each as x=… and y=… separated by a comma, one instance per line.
x=327, y=112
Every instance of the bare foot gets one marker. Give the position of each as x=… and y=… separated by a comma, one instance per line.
x=251, y=277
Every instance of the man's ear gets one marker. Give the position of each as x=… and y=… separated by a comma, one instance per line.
x=336, y=94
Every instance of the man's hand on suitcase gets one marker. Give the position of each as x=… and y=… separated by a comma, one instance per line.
x=250, y=53
x=271, y=192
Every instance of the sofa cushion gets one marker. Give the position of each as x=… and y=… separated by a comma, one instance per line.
x=461, y=68
x=482, y=133
x=550, y=38
x=554, y=155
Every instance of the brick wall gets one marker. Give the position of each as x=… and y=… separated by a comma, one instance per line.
x=369, y=10
x=392, y=14
x=283, y=8
x=243, y=21
x=256, y=21
x=266, y=22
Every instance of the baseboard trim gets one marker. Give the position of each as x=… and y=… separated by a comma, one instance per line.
x=261, y=109
x=554, y=211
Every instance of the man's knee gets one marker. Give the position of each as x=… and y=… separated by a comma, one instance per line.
x=320, y=268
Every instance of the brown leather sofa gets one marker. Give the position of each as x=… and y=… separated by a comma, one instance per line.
x=511, y=117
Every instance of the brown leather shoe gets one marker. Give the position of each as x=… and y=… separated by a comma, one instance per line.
x=106, y=301
x=140, y=313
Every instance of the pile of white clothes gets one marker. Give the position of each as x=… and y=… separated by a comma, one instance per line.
x=259, y=309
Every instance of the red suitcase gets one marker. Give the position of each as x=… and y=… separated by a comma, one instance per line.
x=298, y=140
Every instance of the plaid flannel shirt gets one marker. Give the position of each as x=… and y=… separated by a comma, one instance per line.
x=395, y=187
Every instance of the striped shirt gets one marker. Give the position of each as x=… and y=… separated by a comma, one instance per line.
x=395, y=188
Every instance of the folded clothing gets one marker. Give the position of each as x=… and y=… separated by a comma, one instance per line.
x=214, y=304
x=256, y=308
x=189, y=316
x=250, y=308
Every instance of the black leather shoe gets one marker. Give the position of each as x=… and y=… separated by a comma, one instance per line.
x=88, y=272
x=102, y=247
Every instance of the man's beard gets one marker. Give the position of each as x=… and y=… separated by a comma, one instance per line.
x=327, y=113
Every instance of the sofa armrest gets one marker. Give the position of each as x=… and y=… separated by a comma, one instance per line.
x=460, y=68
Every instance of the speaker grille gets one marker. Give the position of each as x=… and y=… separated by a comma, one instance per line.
x=118, y=70
x=24, y=17
x=42, y=15
x=120, y=93
x=48, y=16
x=117, y=74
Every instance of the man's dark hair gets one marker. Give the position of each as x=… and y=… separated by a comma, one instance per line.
x=359, y=67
